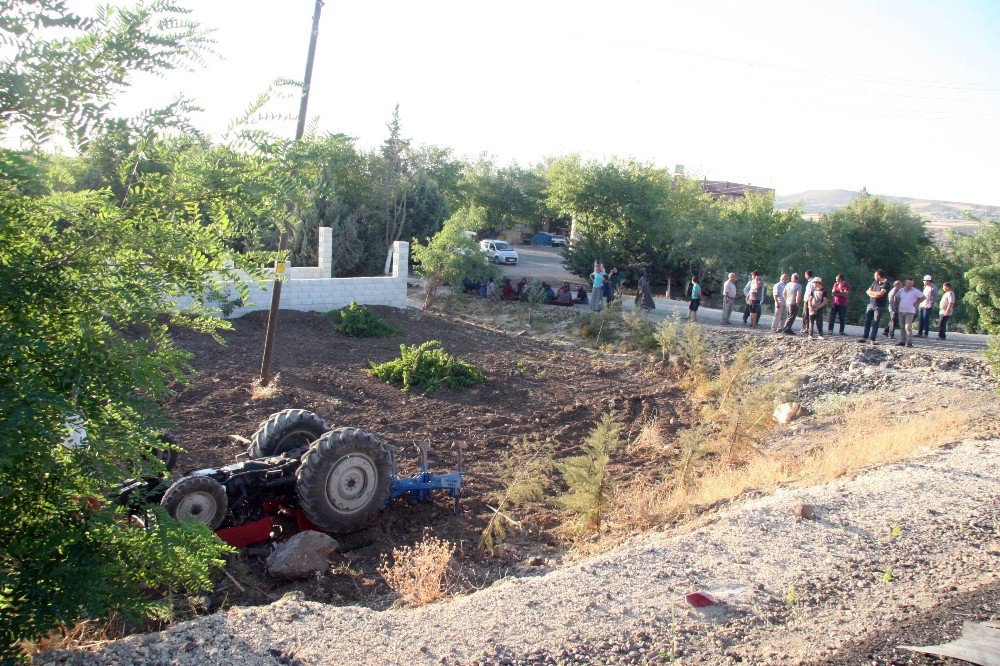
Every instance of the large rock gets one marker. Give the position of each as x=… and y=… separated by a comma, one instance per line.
x=302, y=555
x=787, y=412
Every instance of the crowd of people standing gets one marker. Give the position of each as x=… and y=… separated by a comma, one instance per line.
x=819, y=306
x=805, y=303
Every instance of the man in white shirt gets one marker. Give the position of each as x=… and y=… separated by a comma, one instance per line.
x=728, y=298
x=930, y=299
x=778, y=292
x=947, y=309
x=907, y=300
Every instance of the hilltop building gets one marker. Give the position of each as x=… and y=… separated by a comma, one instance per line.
x=723, y=189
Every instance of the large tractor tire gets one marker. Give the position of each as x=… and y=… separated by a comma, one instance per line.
x=167, y=455
x=285, y=431
x=343, y=480
x=198, y=498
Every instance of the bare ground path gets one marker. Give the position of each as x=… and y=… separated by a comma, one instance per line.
x=885, y=554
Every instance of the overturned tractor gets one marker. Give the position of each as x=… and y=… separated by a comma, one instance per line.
x=334, y=480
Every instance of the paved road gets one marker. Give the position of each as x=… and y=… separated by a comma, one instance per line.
x=545, y=263
x=540, y=262
x=668, y=307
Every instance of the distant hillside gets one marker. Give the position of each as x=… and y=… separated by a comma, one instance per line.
x=940, y=215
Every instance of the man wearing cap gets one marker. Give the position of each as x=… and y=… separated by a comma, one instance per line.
x=907, y=300
x=818, y=300
x=930, y=298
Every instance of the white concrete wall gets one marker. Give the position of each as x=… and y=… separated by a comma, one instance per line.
x=306, y=288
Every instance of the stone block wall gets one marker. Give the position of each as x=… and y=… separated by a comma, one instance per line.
x=311, y=287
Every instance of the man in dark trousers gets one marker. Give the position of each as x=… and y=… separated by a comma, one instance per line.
x=878, y=294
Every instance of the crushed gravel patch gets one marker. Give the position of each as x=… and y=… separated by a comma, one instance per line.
x=883, y=554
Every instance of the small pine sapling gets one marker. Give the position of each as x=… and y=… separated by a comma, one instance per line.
x=588, y=476
x=529, y=465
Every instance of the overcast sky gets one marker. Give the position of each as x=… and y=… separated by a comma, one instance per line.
x=901, y=97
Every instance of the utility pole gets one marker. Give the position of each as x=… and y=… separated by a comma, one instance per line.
x=279, y=268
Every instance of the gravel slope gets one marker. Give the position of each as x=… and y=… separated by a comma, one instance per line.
x=840, y=588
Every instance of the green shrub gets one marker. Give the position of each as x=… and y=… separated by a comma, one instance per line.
x=641, y=333
x=426, y=367
x=360, y=322
x=684, y=340
x=601, y=327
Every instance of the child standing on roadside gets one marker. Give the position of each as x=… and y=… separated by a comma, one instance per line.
x=816, y=304
x=695, y=300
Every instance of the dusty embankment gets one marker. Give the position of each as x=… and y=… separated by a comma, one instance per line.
x=899, y=555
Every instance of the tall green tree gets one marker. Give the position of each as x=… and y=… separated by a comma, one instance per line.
x=88, y=289
x=880, y=233
x=451, y=255
x=510, y=194
x=981, y=254
x=625, y=213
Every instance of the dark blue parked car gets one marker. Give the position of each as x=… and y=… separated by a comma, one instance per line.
x=545, y=238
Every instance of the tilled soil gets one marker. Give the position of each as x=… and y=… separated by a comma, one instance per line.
x=535, y=388
x=896, y=556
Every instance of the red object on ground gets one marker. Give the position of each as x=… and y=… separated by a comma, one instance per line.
x=244, y=535
x=304, y=522
x=700, y=599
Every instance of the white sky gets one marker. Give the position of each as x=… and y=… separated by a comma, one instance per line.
x=901, y=97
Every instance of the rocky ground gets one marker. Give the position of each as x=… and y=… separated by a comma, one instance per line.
x=900, y=555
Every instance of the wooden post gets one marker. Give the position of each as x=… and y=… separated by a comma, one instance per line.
x=300, y=128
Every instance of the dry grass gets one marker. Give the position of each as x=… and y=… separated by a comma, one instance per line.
x=83, y=635
x=866, y=438
x=259, y=392
x=653, y=438
x=419, y=574
x=859, y=440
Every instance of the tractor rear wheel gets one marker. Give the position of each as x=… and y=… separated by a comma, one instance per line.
x=167, y=455
x=284, y=431
x=343, y=480
x=200, y=498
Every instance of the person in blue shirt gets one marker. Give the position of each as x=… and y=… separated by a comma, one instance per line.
x=695, y=300
x=597, y=297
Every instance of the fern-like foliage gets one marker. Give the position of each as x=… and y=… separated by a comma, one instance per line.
x=428, y=367
x=360, y=322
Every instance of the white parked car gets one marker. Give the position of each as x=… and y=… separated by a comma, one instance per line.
x=498, y=251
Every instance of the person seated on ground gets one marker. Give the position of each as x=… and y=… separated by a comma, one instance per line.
x=550, y=295
x=470, y=286
x=564, y=296
x=522, y=284
x=490, y=288
x=482, y=290
x=507, y=291
x=581, y=296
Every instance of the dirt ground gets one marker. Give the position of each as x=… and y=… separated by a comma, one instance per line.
x=535, y=387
